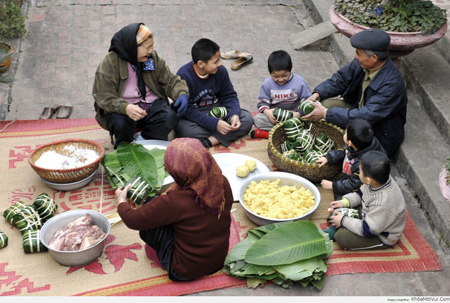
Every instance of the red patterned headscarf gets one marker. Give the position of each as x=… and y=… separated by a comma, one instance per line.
x=192, y=166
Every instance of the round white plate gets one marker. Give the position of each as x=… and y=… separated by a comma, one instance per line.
x=228, y=163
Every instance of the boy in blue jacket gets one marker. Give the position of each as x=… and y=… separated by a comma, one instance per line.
x=360, y=139
x=209, y=87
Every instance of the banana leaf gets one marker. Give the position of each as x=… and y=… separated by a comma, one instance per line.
x=301, y=269
x=132, y=160
x=288, y=244
x=238, y=251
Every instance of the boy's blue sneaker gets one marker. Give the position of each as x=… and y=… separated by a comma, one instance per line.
x=330, y=231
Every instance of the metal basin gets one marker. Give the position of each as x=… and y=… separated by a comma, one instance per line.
x=286, y=179
x=74, y=258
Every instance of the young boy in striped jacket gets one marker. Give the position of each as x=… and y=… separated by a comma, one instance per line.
x=382, y=208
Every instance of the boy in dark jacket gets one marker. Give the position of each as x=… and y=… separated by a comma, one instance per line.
x=209, y=87
x=360, y=139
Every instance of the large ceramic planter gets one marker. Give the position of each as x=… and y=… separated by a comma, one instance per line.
x=6, y=50
x=401, y=43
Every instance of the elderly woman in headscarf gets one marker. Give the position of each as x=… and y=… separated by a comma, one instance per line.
x=189, y=225
x=132, y=86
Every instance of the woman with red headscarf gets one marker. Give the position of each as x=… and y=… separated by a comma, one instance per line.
x=189, y=225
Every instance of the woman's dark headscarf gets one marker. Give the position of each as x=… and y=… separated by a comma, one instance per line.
x=124, y=44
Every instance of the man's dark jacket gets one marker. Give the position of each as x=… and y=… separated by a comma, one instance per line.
x=384, y=101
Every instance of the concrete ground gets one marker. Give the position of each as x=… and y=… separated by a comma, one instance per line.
x=56, y=63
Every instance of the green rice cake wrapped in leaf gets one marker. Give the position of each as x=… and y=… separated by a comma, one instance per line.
x=45, y=206
x=323, y=143
x=3, y=240
x=304, y=141
x=282, y=115
x=218, y=112
x=139, y=191
x=27, y=219
x=311, y=156
x=32, y=242
x=306, y=106
x=286, y=146
x=292, y=127
x=349, y=212
x=9, y=213
x=292, y=154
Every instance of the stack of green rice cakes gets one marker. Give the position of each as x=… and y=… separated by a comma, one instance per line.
x=28, y=219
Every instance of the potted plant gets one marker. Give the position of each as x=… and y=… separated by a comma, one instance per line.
x=6, y=50
x=410, y=23
x=12, y=26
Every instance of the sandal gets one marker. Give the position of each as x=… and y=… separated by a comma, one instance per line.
x=63, y=112
x=47, y=113
x=234, y=54
x=241, y=62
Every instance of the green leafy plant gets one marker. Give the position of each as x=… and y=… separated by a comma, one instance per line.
x=282, y=253
x=12, y=21
x=395, y=15
x=133, y=163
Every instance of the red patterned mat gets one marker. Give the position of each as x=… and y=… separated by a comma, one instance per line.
x=124, y=268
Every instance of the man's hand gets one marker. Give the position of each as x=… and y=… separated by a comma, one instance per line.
x=314, y=97
x=317, y=114
x=135, y=112
x=181, y=105
x=270, y=116
x=223, y=127
x=235, y=122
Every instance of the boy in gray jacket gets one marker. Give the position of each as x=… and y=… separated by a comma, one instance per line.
x=383, y=210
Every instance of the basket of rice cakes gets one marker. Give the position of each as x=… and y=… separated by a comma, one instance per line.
x=295, y=145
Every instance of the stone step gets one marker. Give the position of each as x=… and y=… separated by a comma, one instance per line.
x=426, y=73
x=312, y=35
x=419, y=160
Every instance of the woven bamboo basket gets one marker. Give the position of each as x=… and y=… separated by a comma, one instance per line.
x=310, y=171
x=68, y=175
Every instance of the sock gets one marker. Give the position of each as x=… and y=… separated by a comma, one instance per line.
x=330, y=231
x=207, y=143
x=259, y=133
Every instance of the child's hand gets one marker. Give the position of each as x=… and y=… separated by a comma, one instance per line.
x=322, y=161
x=270, y=116
x=223, y=127
x=326, y=184
x=337, y=204
x=121, y=194
x=235, y=122
x=296, y=114
x=335, y=220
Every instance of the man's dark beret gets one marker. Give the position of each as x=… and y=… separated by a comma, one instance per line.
x=371, y=39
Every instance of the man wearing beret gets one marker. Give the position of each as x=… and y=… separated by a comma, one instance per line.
x=371, y=88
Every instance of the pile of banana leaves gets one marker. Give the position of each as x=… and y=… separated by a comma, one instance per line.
x=282, y=253
x=134, y=164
